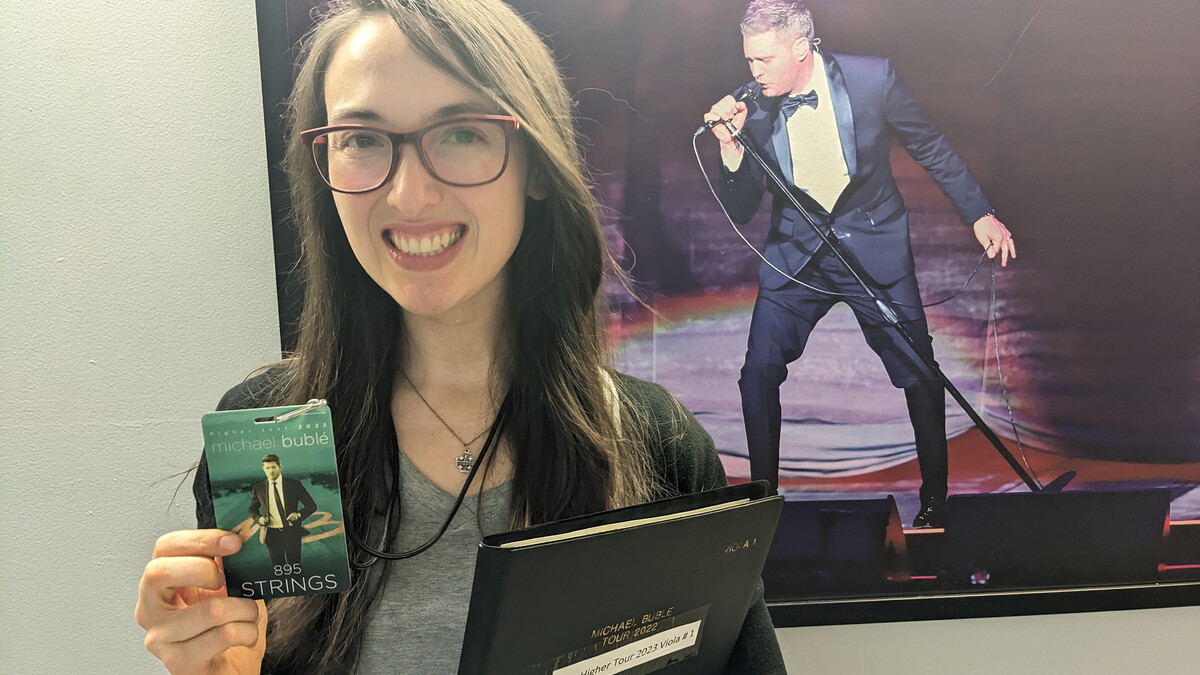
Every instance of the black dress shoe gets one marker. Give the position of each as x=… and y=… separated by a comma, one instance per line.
x=932, y=513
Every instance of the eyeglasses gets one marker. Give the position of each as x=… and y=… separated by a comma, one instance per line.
x=463, y=152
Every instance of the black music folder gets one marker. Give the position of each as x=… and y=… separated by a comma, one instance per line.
x=630, y=591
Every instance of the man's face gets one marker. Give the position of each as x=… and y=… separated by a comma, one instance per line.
x=780, y=65
x=271, y=469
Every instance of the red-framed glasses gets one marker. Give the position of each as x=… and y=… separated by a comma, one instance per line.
x=464, y=152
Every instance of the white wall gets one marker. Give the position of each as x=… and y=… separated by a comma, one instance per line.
x=136, y=285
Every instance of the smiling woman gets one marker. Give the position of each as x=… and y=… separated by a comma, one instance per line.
x=453, y=261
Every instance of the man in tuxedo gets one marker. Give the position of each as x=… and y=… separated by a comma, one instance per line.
x=827, y=121
x=280, y=505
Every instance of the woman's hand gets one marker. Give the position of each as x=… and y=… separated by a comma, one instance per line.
x=192, y=626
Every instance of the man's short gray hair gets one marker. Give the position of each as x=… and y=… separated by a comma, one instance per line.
x=790, y=19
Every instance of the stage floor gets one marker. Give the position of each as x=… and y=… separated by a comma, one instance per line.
x=977, y=468
x=845, y=432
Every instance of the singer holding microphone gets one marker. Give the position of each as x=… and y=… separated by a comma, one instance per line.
x=828, y=121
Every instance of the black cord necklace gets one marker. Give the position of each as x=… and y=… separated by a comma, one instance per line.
x=394, y=500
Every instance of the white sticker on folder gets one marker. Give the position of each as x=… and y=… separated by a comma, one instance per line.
x=637, y=653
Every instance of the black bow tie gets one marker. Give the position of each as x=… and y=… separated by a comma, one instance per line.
x=792, y=103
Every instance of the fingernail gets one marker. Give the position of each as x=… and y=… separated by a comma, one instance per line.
x=230, y=543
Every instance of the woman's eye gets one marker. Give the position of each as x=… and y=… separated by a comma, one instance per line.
x=463, y=136
x=364, y=141
x=357, y=142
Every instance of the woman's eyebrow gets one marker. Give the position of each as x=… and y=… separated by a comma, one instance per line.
x=339, y=115
x=466, y=108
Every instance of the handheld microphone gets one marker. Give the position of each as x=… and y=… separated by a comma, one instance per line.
x=750, y=92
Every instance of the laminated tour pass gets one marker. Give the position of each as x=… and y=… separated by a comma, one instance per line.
x=274, y=481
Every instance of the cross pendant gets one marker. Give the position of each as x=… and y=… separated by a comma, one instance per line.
x=466, y=461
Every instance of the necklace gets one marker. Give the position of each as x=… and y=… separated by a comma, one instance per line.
x=466, y=461
x=375, y=554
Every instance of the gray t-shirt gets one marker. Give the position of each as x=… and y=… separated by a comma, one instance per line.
x=418, y=623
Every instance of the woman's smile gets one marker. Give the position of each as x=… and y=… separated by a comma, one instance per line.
x=424, y=247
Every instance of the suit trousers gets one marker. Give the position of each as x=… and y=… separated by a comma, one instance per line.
x=780, y=326
x=283, y=545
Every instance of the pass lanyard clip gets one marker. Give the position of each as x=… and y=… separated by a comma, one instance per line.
x=312, y=404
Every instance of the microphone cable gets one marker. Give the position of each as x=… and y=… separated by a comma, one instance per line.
x=823, y=291
x=1012, y=422
x=992, y=304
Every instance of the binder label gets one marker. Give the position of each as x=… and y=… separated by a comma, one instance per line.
x=647, y=654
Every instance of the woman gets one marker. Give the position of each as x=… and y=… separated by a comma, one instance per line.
x=453, y=261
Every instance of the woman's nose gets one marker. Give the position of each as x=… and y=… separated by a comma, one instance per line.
x=412, y=189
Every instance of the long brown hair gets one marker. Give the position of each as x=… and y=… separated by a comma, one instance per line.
x=579, y=443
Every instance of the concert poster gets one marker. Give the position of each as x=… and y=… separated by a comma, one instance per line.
x=1082, y=355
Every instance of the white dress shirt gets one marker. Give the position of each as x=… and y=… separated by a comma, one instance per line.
x=818, y=166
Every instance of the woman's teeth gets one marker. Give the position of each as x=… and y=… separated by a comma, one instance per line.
x=427, y=245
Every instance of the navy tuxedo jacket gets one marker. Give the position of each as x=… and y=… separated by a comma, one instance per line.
x=295, y=500
x=872, y=106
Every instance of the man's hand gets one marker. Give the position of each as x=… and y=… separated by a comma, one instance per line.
x=727, y=109
x=293, y=517
x=995, y=238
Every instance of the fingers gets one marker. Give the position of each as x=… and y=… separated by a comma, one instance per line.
x=208, y=543
x=727, y=109
x=1008, y=249
x=1004, y=245
x=184, y=559
x=718, y=129
x=164, y=576
x=232, y=622
x=189, y=620
x=724, y=109
x=199, y=619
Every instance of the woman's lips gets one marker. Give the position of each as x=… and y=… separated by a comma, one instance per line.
x=424, y=248
x=425, y=244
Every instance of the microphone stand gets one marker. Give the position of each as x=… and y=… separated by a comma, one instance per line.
x=889, y=315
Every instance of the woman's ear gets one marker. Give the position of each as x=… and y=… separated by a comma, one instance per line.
x=537, y=188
